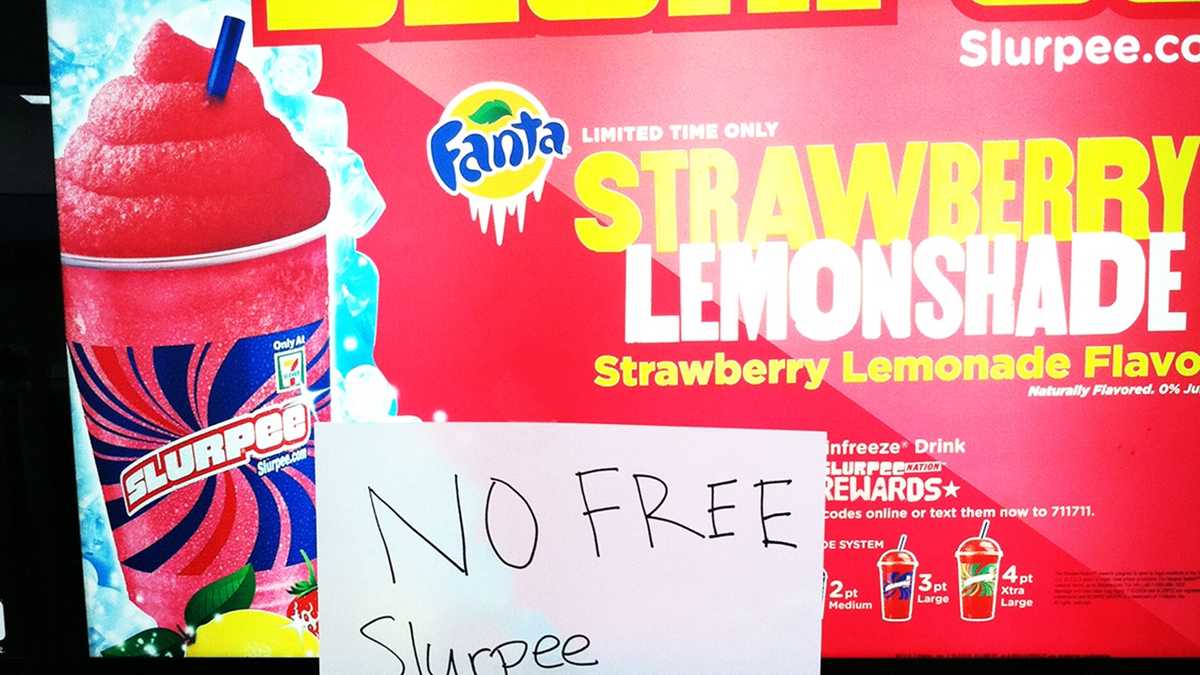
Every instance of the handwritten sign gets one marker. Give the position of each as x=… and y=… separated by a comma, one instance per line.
x=513, y=549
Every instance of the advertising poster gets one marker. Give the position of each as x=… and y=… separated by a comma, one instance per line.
x=953, y=235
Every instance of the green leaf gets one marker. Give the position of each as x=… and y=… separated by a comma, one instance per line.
x=302, y=588
x=226, y=594
x=491, y=111
x=152, y=642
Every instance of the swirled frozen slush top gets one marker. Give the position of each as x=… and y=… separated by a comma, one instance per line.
x=161, y=169
x=897, y=557
x=979, y=546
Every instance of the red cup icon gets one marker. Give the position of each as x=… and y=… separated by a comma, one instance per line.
x=978, y=576
x=897, y=583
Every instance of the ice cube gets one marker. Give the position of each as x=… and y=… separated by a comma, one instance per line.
x=369, y=397
x=355, y=318
x=356, y=204
x=319, y=121
x=82, y=30
x=342, y=251
x=292, y=71
x=91, y=579
x=112, y=619
x=359, y=285
x=93, y=533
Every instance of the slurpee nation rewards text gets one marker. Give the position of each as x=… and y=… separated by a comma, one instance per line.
x=1003, y=222
x=278, y=22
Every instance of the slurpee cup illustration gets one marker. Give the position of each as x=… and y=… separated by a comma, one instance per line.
x=978, y=576
x=196, y=296
x=897, y=582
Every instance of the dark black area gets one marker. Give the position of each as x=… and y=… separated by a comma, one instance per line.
x=23, y=49
x=41, y=585
x=40, y=578
x=40, y=582
x=26, y=168
x=25, y=165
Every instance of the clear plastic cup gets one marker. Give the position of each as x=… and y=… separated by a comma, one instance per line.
x=978, y=578
x=897, y=584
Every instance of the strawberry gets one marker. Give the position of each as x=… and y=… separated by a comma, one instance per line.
x=303, y=607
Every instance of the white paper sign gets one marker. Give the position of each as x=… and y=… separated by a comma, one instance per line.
x=517, y=549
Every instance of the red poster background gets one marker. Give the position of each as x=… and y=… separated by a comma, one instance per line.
x=489, y=333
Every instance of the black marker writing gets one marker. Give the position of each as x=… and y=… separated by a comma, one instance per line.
x=487, y=524
x=764, y=516
x=649, y=515
x=713, y=508
x=588, y=510
x=363, y=631
x=374, y=497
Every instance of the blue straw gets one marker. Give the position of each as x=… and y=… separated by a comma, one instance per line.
x=225, y=57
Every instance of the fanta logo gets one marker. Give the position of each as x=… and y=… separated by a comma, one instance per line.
x=219, y=448
x=494, y=144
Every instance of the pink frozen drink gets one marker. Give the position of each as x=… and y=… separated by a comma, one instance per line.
x=196, y=298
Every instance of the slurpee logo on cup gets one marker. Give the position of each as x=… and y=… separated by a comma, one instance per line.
x=222, y=447
x=494, y=144
x=898, y=585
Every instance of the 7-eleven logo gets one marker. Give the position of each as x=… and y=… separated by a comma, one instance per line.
x=290, y=370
